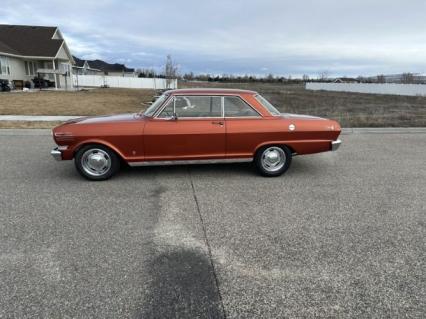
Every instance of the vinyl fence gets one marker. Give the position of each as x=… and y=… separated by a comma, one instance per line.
x=121, y=82
x=372, y=88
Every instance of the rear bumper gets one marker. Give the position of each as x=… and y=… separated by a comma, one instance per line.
x=335, y=145
x=57, y=154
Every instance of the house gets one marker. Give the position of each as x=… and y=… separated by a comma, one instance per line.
x=406, y=78
x=83, y=67
x=102, y=67
x=346, y=80
x=29, y=51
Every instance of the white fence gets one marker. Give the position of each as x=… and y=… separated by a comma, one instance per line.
x=372, y=88
x=121, y=82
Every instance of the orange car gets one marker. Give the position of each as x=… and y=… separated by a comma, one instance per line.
x=192, y=126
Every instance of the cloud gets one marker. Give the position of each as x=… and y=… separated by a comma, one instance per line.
x=282, y=37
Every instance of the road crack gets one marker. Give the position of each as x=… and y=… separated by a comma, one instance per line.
x=209, y=250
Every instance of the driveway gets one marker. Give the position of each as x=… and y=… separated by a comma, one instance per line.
x=339, y=235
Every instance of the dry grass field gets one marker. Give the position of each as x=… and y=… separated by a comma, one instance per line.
x=350, y=109
x=87, y=102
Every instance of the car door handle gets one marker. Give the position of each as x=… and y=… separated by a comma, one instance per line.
x=218, y=123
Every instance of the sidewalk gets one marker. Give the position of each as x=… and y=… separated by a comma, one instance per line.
x=345, y=131
x=37, y=118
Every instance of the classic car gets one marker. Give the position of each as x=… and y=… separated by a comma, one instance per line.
x=192, y=126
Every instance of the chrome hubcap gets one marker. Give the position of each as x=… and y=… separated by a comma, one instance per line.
x=273, y=159
x=96, y=162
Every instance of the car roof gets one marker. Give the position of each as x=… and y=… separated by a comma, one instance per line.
x=210, y=91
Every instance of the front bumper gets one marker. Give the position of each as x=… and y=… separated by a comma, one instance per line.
x=57, y=154
x=335, y=145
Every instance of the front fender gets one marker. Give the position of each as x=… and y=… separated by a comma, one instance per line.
x=70, y=155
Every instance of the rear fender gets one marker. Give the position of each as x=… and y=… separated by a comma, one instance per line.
x=301, y=146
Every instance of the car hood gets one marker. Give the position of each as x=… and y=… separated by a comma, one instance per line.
x=104, y=119
x=300, y=116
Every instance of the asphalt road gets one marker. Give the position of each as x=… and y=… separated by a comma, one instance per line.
x=340, y=235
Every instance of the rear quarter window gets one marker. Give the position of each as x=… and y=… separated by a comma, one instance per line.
x=236, y=107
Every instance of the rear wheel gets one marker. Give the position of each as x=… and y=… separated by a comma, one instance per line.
x=96, y=162
x=273, y=160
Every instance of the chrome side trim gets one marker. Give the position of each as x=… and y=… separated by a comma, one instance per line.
x=57, y=155
x=190, y=162
x=335, y=145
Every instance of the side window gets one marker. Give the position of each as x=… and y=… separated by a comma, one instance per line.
x=236, y=107
x=193, y=106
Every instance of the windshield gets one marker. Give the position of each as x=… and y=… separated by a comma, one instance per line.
x=154, y=106
x=267, y=105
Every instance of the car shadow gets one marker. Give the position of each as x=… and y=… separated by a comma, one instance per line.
x=182, y=285
x=298, y=168
x=239, y=169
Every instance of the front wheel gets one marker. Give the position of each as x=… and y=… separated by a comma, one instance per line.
x=96, y=162
x=273, y=160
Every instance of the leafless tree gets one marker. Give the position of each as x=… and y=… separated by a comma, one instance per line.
x=305, y=78
x=323, y=76
x=189, y=76
x=407, y=78
x=381, y=78
x=170, y=71
x=270, y=77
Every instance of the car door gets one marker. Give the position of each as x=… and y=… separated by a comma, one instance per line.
x=189, y=127
x=245, y=127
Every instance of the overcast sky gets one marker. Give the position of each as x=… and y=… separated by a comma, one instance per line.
x=342, y=37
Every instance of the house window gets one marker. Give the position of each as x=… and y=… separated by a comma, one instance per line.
x=4, y=66
x=65, y=68
x=30, y=67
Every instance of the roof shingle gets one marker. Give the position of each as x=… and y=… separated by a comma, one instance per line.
x=29, y=40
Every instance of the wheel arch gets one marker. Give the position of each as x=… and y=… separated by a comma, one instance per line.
x=279, y=143
x=102, y=143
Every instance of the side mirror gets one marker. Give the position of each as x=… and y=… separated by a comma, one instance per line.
x=174, y=117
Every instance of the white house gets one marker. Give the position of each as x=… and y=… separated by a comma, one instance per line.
x=83, y=67
x=29, y=51
x=99, y=67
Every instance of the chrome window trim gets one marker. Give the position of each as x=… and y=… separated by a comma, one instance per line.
x=190, y=162
x=222, y=96
x=190, y=118
x=244, y=117
x=162, y=107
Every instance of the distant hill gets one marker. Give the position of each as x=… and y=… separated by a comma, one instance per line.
x=104, y=66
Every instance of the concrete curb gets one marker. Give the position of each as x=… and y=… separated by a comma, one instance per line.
x=383, y=130
x=37, y=118
x=25, y=132
x=345, y=131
